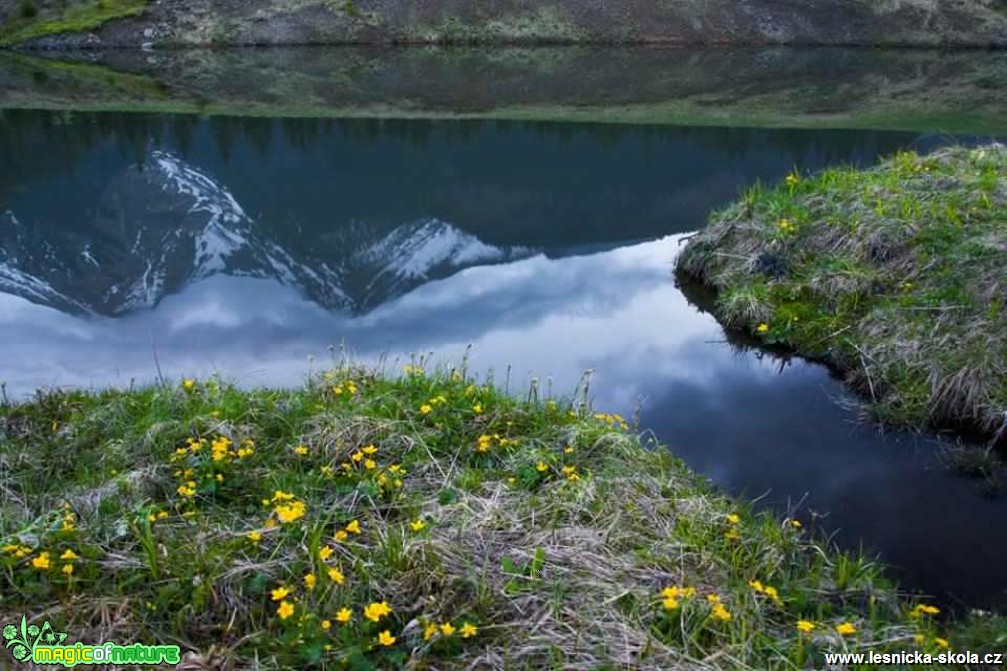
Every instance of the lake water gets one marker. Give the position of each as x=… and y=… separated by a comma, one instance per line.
x=247, y=247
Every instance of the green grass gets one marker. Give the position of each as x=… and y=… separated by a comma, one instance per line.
x=895, y=275
x=196, y=512
x=76, y=18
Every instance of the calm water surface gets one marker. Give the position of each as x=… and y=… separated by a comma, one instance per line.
x=247, y=246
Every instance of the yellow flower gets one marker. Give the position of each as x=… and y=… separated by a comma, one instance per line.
x=340, y=535
x=805, y=626
x=477, y=408
x=188, y=385
x=793, y=179
x=772, y=593
x=285, y=610
x=796, y=524
x=762, y=328
x=336, y=576
x=325, y=552
x=290, y=512
x=469, y=630
x=369, y=449
x=385, y=638
x=429, y=631
x=568, y=449
x=301, y=450
x=344, y=615
x=573, y=477
x=353, y=527
x=326, y=625
x=425, y=409
x=733, y=518
x=279, y=594
x=254, y=536
x=41, y=562
x=370, y=464
x=357, y=456
x=923, y=609
x=376, y=611
x=310, y=581
x=720, y=612
x=394, y=468
x=846, y=629
x=67, y=569
x=919, y=638
x=942, y=642
x=541, y=467
x=447, y=628
x=417, y=525
x=69, y=555
x=670, y=603
x=713, y=598
x=756, y=585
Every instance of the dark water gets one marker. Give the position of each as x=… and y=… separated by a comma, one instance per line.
x=247, y=246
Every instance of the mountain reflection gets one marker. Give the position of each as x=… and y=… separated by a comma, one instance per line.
x=351, y=213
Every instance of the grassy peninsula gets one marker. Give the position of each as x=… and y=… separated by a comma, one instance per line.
x=419, y=521
x=894, y=275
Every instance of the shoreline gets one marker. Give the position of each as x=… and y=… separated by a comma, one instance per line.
x=771, y=261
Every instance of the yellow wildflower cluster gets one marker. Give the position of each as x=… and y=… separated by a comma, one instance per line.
x=287, y=507
x=767, y=590
x=793, y=179
x=69, y=519
x=717, y=609
x=611, y=418
x=347, y=388
x=786, y=226
x=921, y=609
x=157, y=516
x=377, y=610
x=571, y=473
x=429, y=406
x=485, y=442
x=672, y=596
x=446, y=629
x=352, y=527
x=19, y=551
x=410, y=369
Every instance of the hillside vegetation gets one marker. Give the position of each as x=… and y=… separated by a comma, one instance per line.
x=230, y=22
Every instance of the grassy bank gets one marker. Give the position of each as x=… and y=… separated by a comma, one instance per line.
x=894, y=275
x=425, y=519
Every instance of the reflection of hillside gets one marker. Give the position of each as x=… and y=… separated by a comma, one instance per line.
x=909, y=89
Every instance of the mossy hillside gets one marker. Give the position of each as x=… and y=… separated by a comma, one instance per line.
x=895, y=275
x=63, y=18
x=424, y=520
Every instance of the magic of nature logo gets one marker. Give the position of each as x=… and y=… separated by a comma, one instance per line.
x=44, y=645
